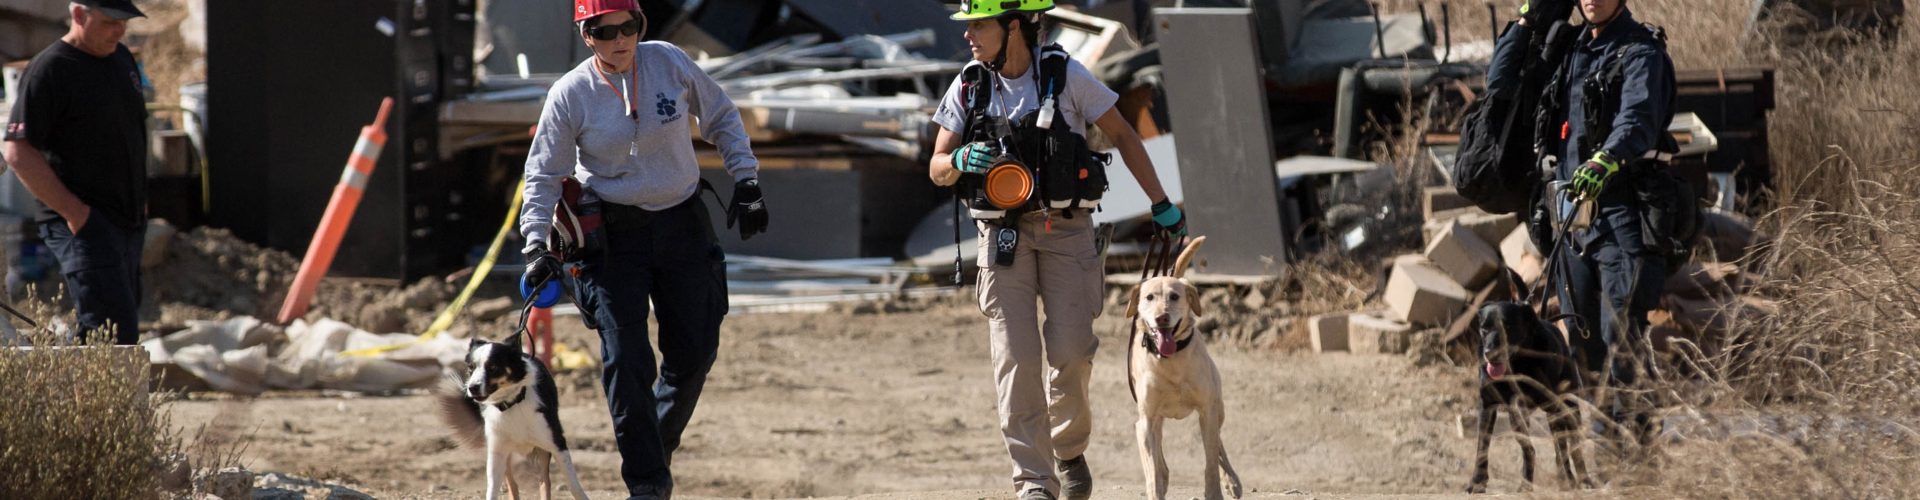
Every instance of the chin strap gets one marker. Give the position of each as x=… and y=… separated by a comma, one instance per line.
x=1006, y=33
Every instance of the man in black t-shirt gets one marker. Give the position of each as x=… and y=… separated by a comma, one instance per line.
x=78, y=141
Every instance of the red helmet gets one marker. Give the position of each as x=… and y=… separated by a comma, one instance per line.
x=589, y=9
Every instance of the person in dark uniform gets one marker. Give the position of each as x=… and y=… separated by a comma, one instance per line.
x=1603, y=132
x=77, y=139
x=617, y=125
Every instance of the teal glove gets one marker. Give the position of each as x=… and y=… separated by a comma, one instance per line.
x=975, y=157
x=1167, y=219
x=1591, y=178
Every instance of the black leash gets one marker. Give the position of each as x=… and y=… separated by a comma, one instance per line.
x=16, y=313
x=957, y=221
x=526, y=310
x=1159, y=262
x=1555, y=272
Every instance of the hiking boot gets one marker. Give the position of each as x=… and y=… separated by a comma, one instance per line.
x=1076, y=481
x=654, y=493
x=1036, y=494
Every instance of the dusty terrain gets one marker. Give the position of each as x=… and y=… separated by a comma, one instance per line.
x=900, y=405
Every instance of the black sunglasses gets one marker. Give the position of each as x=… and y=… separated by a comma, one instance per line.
x=612, y=31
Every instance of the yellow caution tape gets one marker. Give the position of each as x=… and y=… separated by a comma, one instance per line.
x=567, y=359
x=445, y=320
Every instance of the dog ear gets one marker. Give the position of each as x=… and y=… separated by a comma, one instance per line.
x=474, y=342
x=1193, y=298
x=1133, y=301
x=513, y=340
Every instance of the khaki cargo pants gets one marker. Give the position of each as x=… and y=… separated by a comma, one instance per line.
x=1043, y=405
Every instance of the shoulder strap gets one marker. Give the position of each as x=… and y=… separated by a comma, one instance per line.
x=976, y=93
x=1617, y=66
x=1053, y=70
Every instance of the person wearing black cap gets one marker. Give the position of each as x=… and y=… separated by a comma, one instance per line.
x=77, y=139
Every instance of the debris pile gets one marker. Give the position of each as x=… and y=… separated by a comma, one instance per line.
x=1429, y=298
x=208, y=273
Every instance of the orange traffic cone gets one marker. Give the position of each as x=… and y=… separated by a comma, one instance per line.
x=540, y=328
x=346, y=197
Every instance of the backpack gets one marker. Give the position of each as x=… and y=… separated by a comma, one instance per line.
x=1495, y=167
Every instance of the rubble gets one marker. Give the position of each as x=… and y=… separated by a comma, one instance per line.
x=1421, y=294
x=212, y=269
x=1517, y=253
x=1441, y=199
x=1376, y=333
x=1466, y=258
x=1328, y=332
x=1489, y=227
x=232, y=483
x=277, y=486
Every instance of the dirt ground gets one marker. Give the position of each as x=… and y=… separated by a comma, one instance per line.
x=900, y=405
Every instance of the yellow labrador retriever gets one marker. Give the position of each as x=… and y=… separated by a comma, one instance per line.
x=1171, y=376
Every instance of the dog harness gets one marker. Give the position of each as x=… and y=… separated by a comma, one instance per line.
x=503, y=406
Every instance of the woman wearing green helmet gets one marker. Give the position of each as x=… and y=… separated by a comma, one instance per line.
x=1040, y=372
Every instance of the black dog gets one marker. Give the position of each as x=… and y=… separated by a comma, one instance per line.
x=1526, y=365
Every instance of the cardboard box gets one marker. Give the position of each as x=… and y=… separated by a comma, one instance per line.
x=1419, y=294
x=1491, y=228
x=1328, y=332
x=1440, y=199
x=1464, y=256
x=1376, y=333
x=1518, y=253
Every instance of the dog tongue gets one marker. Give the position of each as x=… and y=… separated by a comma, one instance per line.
x=1166, y=344
x=1496, y=371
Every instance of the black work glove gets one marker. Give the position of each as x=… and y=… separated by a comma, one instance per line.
x=748, y=209
x=541, y=268
x=1543, y=13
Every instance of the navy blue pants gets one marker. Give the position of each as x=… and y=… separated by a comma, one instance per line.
x=102, y=267
x=1611, y=286
x=672, y=258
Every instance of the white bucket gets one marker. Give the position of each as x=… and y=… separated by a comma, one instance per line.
x=193, y=97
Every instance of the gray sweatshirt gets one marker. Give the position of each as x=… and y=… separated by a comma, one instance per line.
x=642, y=158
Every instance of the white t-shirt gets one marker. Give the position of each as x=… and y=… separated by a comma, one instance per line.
x=1082, y=102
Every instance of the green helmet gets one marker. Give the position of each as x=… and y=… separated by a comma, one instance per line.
x=988, y=9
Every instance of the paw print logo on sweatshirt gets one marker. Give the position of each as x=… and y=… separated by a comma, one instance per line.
x=666, y=107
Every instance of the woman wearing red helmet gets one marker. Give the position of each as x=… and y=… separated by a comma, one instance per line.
x=616, y=124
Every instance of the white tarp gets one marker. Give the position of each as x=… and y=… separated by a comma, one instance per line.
x=246, y=356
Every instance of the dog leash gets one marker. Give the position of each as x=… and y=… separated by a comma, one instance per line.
x=1554, y=264
x=16, y=313
x=1160, y=252
x=526, y=311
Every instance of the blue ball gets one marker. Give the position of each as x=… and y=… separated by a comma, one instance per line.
x=549, y=294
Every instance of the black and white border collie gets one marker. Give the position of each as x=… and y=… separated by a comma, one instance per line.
x=509, y=404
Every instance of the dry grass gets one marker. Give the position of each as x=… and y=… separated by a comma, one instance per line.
x=78, y=421
x=1839, y=360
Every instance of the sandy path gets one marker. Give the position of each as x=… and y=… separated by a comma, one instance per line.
x=901, y=406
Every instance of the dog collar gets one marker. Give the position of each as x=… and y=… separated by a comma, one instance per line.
x=1178, y=345
x=503, y=406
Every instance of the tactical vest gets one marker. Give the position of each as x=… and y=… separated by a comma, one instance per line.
x=1600, y=100
x=1066, y=174
x=1668, y=205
